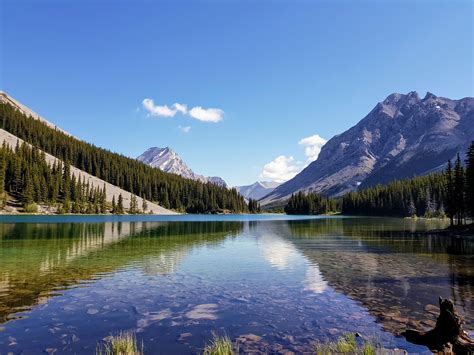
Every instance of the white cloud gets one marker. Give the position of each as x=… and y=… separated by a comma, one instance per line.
x=206, y=115
x=185, y=129
x=313, y=145
x=280, y=169
x=162, y=111
x=181, y=108
x=284, y=168
x=198, y=113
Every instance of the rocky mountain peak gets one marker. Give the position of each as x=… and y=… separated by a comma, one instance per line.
x=167, y=160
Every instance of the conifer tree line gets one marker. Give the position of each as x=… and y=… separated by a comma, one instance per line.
x=422, y=196
x=168, y=190
x=446, y=194
x=254, y=206
x=25, y=174
x=311, y=203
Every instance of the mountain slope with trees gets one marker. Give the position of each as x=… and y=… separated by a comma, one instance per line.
x=12, y=144
x=445, y=194
x=168, y=190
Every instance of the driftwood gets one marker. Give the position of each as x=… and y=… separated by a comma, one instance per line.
x=448, y=336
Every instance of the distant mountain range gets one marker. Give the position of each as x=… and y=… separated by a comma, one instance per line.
x=257, y=190
x=167, y=160
x=403, y=136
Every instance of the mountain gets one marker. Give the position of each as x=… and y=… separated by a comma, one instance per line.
x=112, y=191
x=403, y=136
x=8, y=100
x=257, y=190
x=40, y=179
x=167, y=160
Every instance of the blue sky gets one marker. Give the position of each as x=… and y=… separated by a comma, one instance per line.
x=275, y=71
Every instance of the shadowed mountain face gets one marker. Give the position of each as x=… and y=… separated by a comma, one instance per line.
x=401, y=137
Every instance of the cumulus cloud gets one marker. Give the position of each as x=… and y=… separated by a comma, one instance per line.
x=163, y=111
x=313, y=145
x=198, y=113
x=181, y=108
x=284, y=168
x=280, y=169
x=206, y=115
x=185, y=129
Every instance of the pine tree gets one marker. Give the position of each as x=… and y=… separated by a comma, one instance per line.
x=103, y=200
x=144, y=204
x=28, y=192
x=450, y=199
x=2, y=170
x=114, y=206
x=133, y=204
x=119, y=208
x=459, y=188
x=470, y=180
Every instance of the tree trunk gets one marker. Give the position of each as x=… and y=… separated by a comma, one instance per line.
x=448, y=336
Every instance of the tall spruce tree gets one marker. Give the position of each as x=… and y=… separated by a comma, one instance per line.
x=459, y=187
x=114, y=206
x=120, y=209
x=2, y=171
x=450, y=198
x=470, y=180
x=133, y=205
x=144, y=204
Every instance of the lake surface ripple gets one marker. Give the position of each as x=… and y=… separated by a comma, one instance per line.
x=273, y=283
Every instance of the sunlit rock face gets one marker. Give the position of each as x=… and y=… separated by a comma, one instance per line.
x=167, y=160
x=403, y=136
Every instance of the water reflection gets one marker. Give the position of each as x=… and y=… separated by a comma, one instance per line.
x=393, y=273
x=39, y=260
x=289, y=283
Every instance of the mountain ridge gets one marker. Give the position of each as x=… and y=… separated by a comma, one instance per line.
x=167, y=160
x=402, y=136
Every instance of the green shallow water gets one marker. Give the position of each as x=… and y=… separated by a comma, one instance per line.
x=68, y=282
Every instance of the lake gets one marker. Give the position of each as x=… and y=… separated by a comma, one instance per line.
x=274, y=282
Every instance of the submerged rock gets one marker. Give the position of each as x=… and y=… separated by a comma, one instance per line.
x=203, y=311
x=184, y=336
x=249, y=337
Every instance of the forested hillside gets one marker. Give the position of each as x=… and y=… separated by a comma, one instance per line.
x=446, y=194
x=169, y=190
x=25, y=174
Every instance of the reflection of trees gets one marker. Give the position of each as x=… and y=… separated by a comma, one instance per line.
x=394, y=274
x=39, y=259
